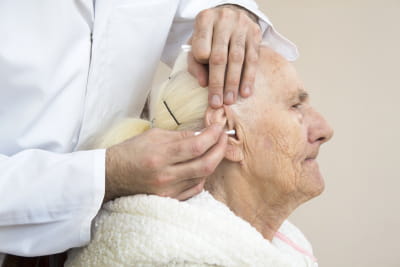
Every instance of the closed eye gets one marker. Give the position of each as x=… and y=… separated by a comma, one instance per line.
x=296, y=106
x=300, y=98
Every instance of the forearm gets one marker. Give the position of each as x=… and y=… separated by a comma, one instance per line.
x=115, y=184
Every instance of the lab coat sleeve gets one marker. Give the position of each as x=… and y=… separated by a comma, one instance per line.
x=48, y=200
x=183, y=23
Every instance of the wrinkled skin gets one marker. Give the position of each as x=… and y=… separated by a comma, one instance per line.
x=270, y=166
x=285, y=132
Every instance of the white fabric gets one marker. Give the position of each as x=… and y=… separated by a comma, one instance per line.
x=68, y=69
x=153, y=231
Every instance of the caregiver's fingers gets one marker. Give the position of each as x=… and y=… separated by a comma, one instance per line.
x=237, y=48
x=200, y=168
x=147, y=162
x=250, y=61
x=221, y=37
x=192, y=190
x=175, y=190
x=217, y=65
x=201, y=39
x=205, y=165
x=189, y=146
x=198, y=70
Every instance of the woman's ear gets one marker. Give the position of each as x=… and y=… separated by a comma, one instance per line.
x=225, y=116
x=215, y=116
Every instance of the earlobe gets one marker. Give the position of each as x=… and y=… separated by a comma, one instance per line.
x=224, y=116
x=234, y=150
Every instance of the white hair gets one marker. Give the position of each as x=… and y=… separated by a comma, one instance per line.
x=180, y=104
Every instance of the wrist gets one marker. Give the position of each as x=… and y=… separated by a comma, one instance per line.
x=110, y=185
x=251, y=15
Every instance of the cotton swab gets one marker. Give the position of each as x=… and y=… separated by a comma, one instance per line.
x=186, y=48
x=230, y=132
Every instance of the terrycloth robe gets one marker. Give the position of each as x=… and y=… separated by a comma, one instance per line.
x=147, y=230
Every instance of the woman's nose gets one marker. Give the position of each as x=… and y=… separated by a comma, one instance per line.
x=319, y=130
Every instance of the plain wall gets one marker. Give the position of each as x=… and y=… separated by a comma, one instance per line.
x=349, y=61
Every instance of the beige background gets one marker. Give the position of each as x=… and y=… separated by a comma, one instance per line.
x=350, y=57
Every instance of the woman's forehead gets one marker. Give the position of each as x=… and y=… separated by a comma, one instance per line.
x=278, y=77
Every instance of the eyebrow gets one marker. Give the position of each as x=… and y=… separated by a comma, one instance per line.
x=300, y=95
x=303, y=95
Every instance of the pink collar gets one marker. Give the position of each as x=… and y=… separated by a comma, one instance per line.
x=294, y=245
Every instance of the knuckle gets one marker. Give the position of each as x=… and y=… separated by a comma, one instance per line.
x=214, y=85
x=196, y=149
x=243, y=18
x=226, y=13
x=236, y=56
x=204, y=15
x=232, y=81
x=252, y=58
x=208, y=168
x=201, y=54
x=256, y=30
x=161, y=179
x=218, y=58
x=151, y=162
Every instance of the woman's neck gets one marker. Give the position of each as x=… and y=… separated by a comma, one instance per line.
x=258, y=204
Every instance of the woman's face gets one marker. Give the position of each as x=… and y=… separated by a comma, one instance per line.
x=283, y=133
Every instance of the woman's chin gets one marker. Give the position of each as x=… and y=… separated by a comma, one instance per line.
x=315, y=182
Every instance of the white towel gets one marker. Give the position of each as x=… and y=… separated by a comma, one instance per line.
x=154, y=231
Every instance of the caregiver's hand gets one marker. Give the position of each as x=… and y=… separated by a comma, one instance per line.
x=227, y=38
x=165, y=163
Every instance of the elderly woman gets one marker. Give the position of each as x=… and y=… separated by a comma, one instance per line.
x=269, y=169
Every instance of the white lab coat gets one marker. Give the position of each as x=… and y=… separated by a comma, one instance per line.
x=68, y=69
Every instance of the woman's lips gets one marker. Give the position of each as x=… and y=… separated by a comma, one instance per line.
x=312, y=156
x=310, y=160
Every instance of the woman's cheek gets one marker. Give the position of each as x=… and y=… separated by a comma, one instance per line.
x=299, y=117
x=290, y=137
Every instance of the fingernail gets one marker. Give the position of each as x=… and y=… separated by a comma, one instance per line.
x=229, y=98
x=246, y=91
x=216, y=100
